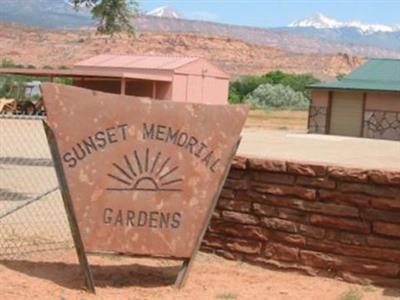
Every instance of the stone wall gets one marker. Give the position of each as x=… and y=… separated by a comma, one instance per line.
x=323, y=220
x=317, y=119
x=382, y=124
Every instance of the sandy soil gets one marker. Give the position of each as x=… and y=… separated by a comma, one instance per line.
x=56, y=275
x=294, y=121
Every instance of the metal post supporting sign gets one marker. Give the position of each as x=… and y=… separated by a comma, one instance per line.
x=76, y=236
x=138, y=176
x=187, y=264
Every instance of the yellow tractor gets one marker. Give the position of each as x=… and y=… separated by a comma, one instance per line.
x=23, y=98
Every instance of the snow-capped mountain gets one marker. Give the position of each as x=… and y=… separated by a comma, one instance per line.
x=164, y=11
x=321, y=21
x=328, y=38
x=317, y=21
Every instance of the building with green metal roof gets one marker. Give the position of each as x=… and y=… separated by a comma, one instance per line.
x=365, y=103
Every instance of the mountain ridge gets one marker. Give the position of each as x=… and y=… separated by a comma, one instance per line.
x=164, y=12
x=60, y=15
x=322, y=21
x=285, y=38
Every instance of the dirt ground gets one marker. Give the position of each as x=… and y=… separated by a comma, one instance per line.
x=294, y=121
x=56, y=275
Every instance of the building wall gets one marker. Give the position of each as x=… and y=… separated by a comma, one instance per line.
x=382, y=116
x=202, y=67
x=215, y=90
x=320, y=98
x=200, y=89
x=179, y=88
x=328, y=220
x=195, y=89
x=317, y=119
x=383, y=101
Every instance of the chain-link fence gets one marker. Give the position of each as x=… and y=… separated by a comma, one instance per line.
x=32, y=214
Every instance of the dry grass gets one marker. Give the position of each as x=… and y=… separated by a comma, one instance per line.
x=352, y=294
x=283, y=120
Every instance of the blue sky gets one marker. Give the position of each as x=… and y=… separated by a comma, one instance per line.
x=266, y=13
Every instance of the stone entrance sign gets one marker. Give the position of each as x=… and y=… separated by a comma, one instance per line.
x=142, y=176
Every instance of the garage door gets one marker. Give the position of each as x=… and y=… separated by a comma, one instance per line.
x=346, y=113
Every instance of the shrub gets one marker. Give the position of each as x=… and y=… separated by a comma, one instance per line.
x=340, y=76
x=268, y=96
x=234, y=97
x=297, y=82
x=6, y=83
x=7, y=63
x=241, y=88
x=64, y=80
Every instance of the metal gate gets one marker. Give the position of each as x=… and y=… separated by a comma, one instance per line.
x=32, y=215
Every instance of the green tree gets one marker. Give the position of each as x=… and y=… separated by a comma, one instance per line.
x=340, y=76
x=242, y=87
x=234, y=97
x=275, y=77
x=113, y=16
x=297, y=82
x=6, y=83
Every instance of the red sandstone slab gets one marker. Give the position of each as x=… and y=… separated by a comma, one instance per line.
x=141, y=173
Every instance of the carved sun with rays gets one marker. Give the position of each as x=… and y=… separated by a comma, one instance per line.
x=145, y=173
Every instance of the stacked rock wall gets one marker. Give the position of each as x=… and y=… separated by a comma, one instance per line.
x=328, y=220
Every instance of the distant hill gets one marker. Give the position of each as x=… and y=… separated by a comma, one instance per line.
x=318, y=34
x=351, y=36
x=285, y=38
x=322, y=21
x=40, y=47
x=322, y=26
x=164, y=12
x=50, y=14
